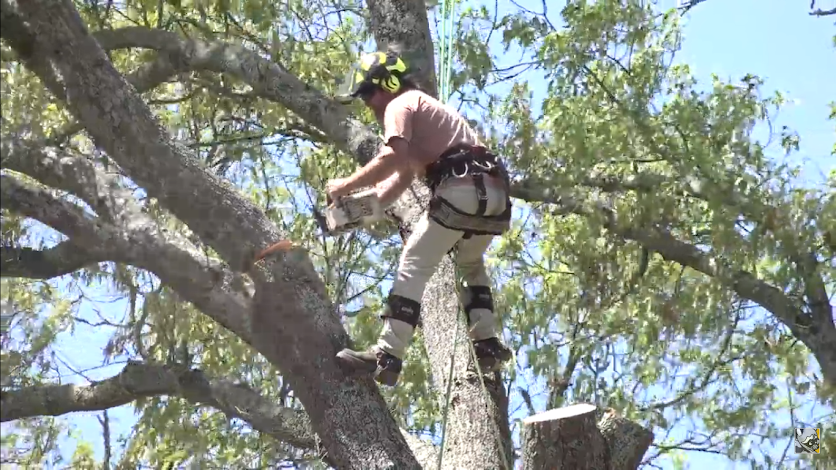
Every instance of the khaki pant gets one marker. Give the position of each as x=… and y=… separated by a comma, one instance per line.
x=425, y=249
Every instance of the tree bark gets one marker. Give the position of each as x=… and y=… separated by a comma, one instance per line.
x=626, y=440
x=293, y=325
x=569, y=439
x=138, y=380
x=478, y=403
x=564, y=439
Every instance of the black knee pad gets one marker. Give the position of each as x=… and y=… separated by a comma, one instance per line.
x=403, y=309
x=480, y=297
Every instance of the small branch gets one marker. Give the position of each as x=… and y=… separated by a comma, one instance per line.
x=820, y=12
x=817, y=334
x=59, y=260
x=104, y=420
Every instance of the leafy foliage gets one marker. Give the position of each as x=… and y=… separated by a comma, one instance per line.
x=598, y=105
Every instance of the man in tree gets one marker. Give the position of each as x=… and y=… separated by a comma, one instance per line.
x=470, y=205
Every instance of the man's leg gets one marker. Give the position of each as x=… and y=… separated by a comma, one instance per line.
x=477, y=300
x=424, y=249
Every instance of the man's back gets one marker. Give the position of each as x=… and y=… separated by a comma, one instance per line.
x=430, y=126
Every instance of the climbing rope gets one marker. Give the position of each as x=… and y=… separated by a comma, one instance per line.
x=445, y=60
x=445, y=66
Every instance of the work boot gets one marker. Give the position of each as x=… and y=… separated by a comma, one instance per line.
x=385, y=367
x=491, y=354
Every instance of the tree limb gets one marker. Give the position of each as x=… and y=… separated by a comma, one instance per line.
x=818, y=334
x=61, y=259
x=37, y=203
x=294, y=325
x=139, y=380
x=22, y=40
x=821, y=12
x=130, y=236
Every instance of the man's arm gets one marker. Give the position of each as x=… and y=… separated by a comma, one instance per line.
x=390, y=190
x=393, y=158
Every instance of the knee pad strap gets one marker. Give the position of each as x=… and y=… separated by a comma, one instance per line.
x=403, y=309
x=480, y=297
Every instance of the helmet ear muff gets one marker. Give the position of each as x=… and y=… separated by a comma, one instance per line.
x=390, y=83
x=378, y=70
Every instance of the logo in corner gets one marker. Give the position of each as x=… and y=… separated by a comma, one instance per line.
x=808, y=440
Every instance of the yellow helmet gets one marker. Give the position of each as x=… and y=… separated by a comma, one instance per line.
x=375, y=69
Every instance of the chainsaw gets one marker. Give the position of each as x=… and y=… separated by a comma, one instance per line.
x=349, y=212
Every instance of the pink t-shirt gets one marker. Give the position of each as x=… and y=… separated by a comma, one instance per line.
x=428, y=125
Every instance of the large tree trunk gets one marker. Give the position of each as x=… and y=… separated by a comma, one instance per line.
x=294, y=324
x=478, y=405
x=569, y=439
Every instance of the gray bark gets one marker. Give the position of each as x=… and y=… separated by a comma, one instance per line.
x=138, y=380
x=293, y=324
x=304, y=319
x=479, y=404
x=25, y=262
x=627, y=441
x=569, y=439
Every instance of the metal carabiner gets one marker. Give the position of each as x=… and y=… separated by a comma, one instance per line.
x=463, y=174
x=487, y=166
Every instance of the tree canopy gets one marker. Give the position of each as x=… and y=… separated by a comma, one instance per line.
x=663, y=264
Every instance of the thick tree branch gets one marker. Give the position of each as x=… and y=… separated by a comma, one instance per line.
x=294, y=325
x=817, y=333
x=22, y=40
x=138, y=380
x=269, y=80
x=122, y=124
x=569, y=439
x=59, y=260
x=35, y=202
x=128, y=236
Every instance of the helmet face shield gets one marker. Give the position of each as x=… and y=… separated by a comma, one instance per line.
x=351, y=85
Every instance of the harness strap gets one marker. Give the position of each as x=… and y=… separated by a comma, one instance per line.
x=481, y=192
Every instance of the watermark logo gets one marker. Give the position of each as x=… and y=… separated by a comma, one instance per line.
x=808, y=440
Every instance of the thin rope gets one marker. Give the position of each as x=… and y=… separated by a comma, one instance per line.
x=445, y=67
x=445, y=58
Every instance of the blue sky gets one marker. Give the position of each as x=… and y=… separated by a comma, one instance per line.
x=775, y=39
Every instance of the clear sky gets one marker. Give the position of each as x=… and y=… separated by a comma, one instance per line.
x=775, y=39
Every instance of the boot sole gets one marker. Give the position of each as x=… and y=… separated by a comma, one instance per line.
x=493, y=364
x=357, y=367
x=387, y=378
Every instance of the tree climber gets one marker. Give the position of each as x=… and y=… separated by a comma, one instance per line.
x=470, y=205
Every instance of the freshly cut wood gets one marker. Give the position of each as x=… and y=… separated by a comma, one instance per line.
x=564, y=439
x=569, y=439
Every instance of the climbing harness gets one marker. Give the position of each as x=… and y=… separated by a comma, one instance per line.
x=475, y=162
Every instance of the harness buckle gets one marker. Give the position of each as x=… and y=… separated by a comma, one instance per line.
x=463, y=173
